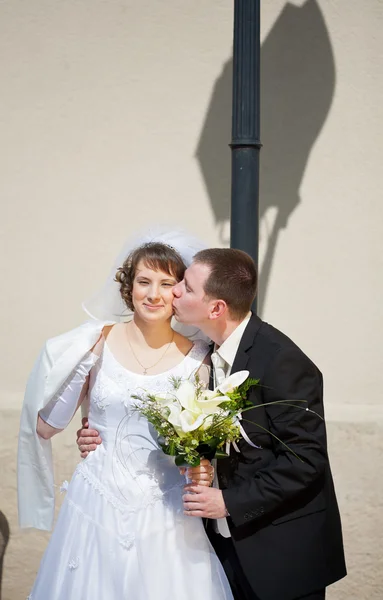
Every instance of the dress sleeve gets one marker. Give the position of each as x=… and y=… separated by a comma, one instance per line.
x=61, y=408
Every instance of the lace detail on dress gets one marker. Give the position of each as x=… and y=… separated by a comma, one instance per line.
x=127, y=542
x=64, y=486
x=154, y=493
x=100, y=396
x=74, y=563
x=102, y=490
x=101, y=389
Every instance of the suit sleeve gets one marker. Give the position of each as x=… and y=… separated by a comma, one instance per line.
x=290, y=376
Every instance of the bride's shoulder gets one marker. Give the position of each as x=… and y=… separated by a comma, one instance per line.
x=201, y=347
x=183, y=343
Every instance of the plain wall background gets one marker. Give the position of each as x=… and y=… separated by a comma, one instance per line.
x=115, y=114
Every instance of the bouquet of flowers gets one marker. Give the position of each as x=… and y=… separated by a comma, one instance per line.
x=194, y=422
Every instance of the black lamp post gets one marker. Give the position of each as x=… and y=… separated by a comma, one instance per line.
x=245, y=142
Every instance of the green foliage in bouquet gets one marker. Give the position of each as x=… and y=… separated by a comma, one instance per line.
x=193, y=422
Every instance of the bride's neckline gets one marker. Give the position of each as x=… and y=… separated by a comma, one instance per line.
x=186, y=356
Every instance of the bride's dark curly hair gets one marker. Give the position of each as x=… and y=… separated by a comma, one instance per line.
x=156, y=256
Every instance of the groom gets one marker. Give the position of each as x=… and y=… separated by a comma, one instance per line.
x=274, y=522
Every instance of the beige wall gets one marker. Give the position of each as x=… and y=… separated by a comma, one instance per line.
x=117, y=113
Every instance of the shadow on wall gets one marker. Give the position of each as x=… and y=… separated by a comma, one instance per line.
x=297, y=87
x=4, y=538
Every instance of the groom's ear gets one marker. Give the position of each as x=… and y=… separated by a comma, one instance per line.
x=217, y=309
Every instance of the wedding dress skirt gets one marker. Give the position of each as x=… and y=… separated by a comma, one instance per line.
x=121, y=533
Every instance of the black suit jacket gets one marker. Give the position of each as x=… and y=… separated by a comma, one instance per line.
x=284, y=517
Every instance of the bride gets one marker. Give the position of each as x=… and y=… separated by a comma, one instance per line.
x=121, y=532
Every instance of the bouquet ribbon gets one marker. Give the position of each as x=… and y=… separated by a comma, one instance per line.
x=244, y=435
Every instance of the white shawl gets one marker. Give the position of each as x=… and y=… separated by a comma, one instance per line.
x=59, y=357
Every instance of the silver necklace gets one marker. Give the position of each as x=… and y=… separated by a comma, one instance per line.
x=146, y=369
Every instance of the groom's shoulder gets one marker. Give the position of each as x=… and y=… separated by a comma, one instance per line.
x=274, y=336
x=274, y=341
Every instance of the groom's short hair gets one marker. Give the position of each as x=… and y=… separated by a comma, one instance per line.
x=233, y=278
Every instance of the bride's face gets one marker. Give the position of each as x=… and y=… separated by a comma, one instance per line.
x=152, y=294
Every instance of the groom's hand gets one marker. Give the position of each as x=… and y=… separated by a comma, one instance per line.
x=87, y=439
x=204, y=502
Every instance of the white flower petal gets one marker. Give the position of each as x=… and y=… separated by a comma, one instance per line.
x=174, y=419
x=189, y=421
x=233, y=381
x=166, y=399
x=186, y=394
x=209, y=394
x=211, y=406
x=207, y=422
x=174, y=415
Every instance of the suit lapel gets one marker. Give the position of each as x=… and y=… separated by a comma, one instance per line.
x=240, y=363
x=211, y=378
x=246, y=343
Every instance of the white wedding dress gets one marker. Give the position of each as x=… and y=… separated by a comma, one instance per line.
x=121, y=533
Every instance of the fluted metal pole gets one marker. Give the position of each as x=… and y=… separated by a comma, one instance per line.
x=245, y=143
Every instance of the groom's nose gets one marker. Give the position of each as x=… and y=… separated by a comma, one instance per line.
x=177, y=290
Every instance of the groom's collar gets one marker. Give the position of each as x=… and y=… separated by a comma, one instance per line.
x=228, y=350
x=247, y=342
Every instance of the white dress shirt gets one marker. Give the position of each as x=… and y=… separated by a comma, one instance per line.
x=223, y=356
x=223, y=359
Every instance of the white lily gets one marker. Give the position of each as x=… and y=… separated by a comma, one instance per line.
x=166, y=399
x=184, y=420
x=233, y=381
x=208, y=421
x=187, y=397
x=209, y=402
x=175, y=418
x=191, y=421
x=189, y=411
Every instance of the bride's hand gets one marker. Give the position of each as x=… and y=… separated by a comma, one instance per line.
x=201, y=475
